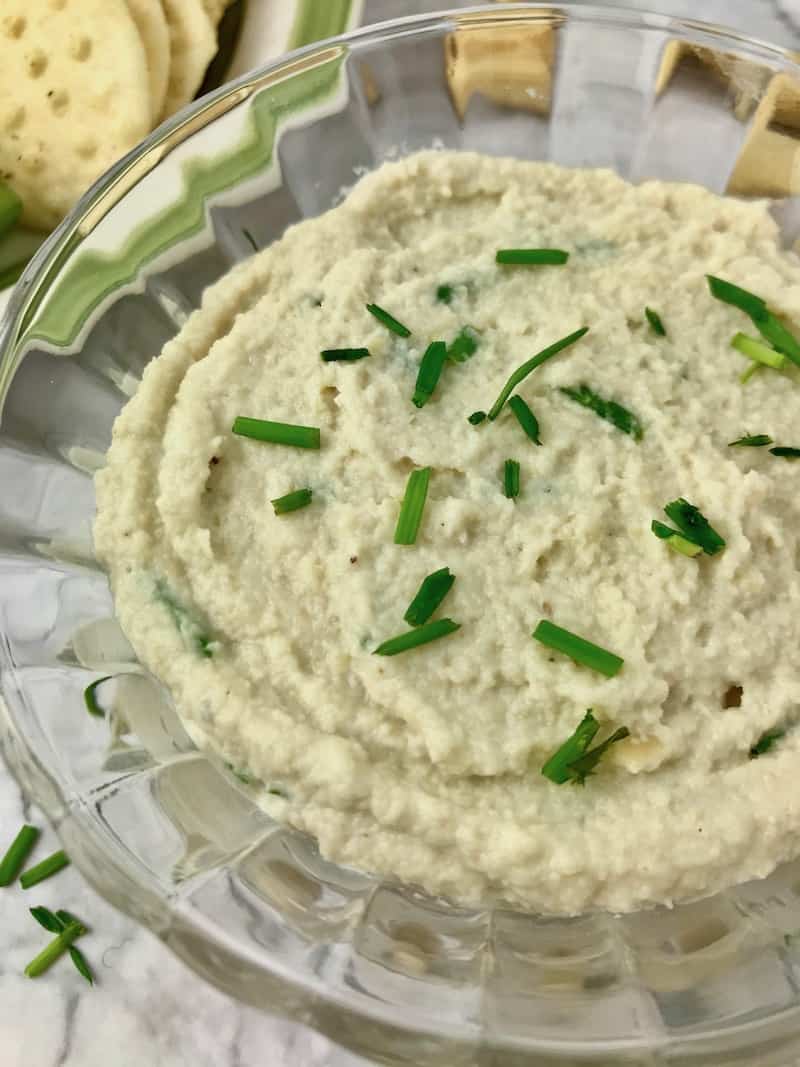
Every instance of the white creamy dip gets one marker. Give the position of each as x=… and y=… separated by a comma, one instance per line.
x=427, y=765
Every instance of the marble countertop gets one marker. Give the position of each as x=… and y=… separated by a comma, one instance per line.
x=145, y=1000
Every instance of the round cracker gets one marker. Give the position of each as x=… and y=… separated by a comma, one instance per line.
x=151, y=22
x=192, y=43
x=74, y=97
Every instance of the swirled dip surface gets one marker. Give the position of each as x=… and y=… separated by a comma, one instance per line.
x=427, y=765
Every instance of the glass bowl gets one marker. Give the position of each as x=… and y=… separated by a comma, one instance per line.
x=172, y=837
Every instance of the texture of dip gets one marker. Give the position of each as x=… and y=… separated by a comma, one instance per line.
x=426, y=766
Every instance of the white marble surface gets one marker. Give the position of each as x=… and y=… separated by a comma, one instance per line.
x=147, y=1008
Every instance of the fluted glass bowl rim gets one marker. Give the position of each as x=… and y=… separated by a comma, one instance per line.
x=99, y=200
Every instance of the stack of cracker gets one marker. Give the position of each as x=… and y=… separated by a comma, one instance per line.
x=82, y=81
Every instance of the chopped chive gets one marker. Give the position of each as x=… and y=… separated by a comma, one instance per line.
x=675, y=540
x=188, y=627
x=18, y=852
x=90, y=700
x=525, y=417
x=729, y=293
x=578, y=648
x=786, y=452
x=765, y=742
x=758, y=352
x=656, y=325
x=767, y=323
x=429, y=596
x=52, y=865
x=746, y=375
x=476, y=418
x=422, y=635
x=581, y=768
x=532, y=256
x=779, y=337
x=511, y=478
x=277, y=433
x=695, y=526
x=557, y=767
x=430, y=370
x=410, y=517
x=81, y=966
x=57, y=923
x=343, y=355
x=389, y=321
x=300, y=498
x=47, y=919
x=244, y=776
x=759, y=440
x=54, y=950
x=609, y=410
x=10, y=208
x=444, y=294
x=464, y=345
x=525, y=369
x=250, y=239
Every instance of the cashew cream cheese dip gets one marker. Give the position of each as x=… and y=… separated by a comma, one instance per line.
x=427, y=765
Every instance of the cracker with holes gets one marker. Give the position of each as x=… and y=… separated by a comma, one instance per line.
x=193, y=43
x=74, y=97
x=151, y=22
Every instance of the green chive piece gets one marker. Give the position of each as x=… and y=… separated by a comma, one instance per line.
x=10, y=208
x=250, y=239
x=609, y=410
x=277, y=433
x=54, y=950
x=338, y=355
x=683, y=547
x=389, y=321
x=189, y=628
x=765, y=742
x=511, y=479
x=430, y=370
x=90, y=700
x=47, y=919
x=464, y=346
x=656, y=325
x=581, y=768
x=300, y=498
x=476, y=418
x=81, y=966
x=525, y=369
x=410, y=517
x=786, y=452
x=746, y=375
x=767, y=323
x=55, y=924
x=18, y=852
x=422, y=635
x=676, y=541
x=557, y=767
x=729, y=293
x=759, y=440
x=779, y=337
x=758, y=352
x=525, y=417
x=429, y=596
x=444, y=294
x=52, y=865
x=695, y=526
x=578, y=649
x=531, y=257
